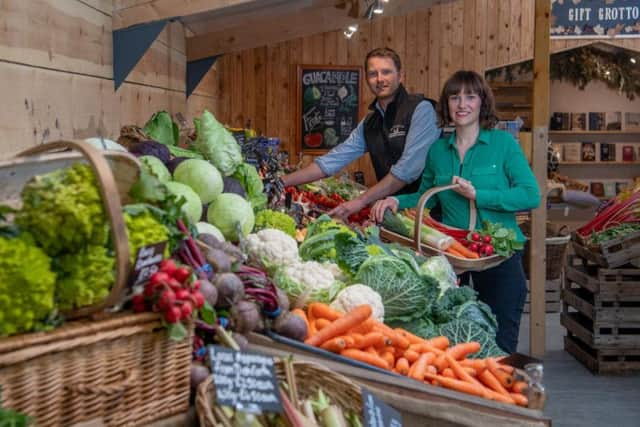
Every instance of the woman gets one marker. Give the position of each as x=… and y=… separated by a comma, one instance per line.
x=491, y=169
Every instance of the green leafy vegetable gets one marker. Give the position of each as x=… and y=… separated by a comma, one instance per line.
x=250, y=181
x=460, y=330
x=440, y=270
x=217, y=144
x=161, y=128
x=143, y=229
x=273, y=219
x=504, y=240
x=351, y=252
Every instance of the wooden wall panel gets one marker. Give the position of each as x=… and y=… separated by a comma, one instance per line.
x=433, y=43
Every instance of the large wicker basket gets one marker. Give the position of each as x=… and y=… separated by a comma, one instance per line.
x=115, y=173
x=120, y=371
x=556, y=246
x=460, y=265
x=309, y=378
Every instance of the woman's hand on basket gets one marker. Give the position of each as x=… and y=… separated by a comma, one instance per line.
x=466, y=188
x=377, y=211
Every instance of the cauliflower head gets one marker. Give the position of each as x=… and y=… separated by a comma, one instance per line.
x=306, y=282
x=272, y=248
x=358, y=294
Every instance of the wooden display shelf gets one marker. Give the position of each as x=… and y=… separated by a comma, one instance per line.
x=612, y=254
x=600, y=163
x=594, y=132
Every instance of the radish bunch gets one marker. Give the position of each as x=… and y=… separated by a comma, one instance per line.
x=170, y=291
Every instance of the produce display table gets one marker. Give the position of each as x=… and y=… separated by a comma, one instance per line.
x=420, y=405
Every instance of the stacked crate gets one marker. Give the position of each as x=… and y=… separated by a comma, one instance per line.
x=601, y=306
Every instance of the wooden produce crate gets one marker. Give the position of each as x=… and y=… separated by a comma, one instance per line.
x=552, y=291
x=611, y=254
x=601, y=312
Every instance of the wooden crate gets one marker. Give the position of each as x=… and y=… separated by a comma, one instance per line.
x=603, y=361
x=611, y=254
x=552, y=290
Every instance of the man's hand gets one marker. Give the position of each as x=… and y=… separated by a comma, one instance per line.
x=379, y=208
x=344, y=210
x=466, y=188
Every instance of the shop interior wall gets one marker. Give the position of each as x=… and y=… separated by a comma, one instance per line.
x=258, y=85
x=57, y=74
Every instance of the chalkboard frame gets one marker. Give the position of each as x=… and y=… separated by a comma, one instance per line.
x=300, y=69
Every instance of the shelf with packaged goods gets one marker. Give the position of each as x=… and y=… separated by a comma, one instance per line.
x=589, y=163
x=594, y=132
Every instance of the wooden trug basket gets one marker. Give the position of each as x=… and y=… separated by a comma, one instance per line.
x=115, y=174
x=310, y=377
x=122, y=371
x=460, y=265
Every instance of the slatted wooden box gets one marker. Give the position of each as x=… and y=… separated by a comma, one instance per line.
x=552, y=290
x=611, y=254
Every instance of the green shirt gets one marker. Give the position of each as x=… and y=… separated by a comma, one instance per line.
x=497, y=168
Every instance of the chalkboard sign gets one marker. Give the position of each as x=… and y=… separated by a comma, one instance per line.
x=245, y=381
x=148, y=259
x=377, y=413
x=328, y=105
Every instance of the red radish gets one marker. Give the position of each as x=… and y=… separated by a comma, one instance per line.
x=186, y=310
x=474, y=247
x=137, y=299
x=167, y=298
x=168, y=266
x=465, y=243
x=198, y=299
x=159, y=277
x=139, y=308
x=488, y=250
x=181, y=274
x=174, y=284
x=182, y=294
x=486, y=239
x=149, y=290
x=475, y=237
x=196, y=285
x=172, y=315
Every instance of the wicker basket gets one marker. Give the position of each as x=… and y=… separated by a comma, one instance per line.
x=309, y=378
x=115, y=173
x=555, y=250
x=460, y=265
x=119, y=371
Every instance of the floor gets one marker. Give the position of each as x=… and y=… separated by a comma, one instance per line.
x=576, y=397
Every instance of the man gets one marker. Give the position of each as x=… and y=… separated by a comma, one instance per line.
x=397, y=134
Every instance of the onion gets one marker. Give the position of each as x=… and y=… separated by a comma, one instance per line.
x=230, y=290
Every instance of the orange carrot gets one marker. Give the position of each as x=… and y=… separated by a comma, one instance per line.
x=372, y=339
x=459, y=371
x=365, y=357
x=477, y=364
x=413, y=339
x=469, y=370
x=419, y=368
x=520, y=399
x=498, y=397
x=457, y=385
x=488, y=379
x=335, y=345
x=320, y=310
x=402, y=366
x=505, y=379
x=301, y=314
x=453, y=252
x=339, y=327
x=448, y=372
x=349, y=340
x=411, y=355
x=321, y=323
x=396, y=339
x=312, y=328
x=459, y=247
x=425, y=347
x=462, y=350
x=363, y=328
x=371, y=350
x=440, y=342
x=519, y=387
x=432, y=369
x=389, y=357
x=440, y=363
x=507, y=368
x=357, y=339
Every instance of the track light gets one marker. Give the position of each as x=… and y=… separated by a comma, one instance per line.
x=378, y=9
x=633, y=60
x=352, y=28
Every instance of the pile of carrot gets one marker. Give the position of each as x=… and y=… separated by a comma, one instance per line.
x=357, y=336
x=456, y=248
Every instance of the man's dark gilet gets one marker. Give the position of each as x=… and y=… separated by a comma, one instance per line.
x=385, y=136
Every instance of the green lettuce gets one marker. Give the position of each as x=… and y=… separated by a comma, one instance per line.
x=217, y=145
x=162, y=129
x=250, y=181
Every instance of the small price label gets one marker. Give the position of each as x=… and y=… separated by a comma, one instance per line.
x=147, y=262
x=377, y=413
x=245, y=381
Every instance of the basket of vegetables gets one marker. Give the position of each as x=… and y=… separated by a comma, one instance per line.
x=466, y=250
x=313, y=394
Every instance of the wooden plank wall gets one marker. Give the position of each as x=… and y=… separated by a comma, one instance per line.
x=57, y=74
x=258, y=85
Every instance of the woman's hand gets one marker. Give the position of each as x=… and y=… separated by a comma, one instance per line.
x=466, y=188
x=377, y=211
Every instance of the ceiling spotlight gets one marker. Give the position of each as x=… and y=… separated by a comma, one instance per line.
x=378, y=9
x=633, y=60
x=348, y=34
x=352, y=28
x=385, y=1
x=606, y=73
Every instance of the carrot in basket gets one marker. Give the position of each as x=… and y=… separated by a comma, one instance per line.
x=448, y=372
x=411, y=355
x=477, y=364
x=364, y=328
x=519, y=387
x=457, y=385
x=321, y=323
x=357, y=339
x=453, y=252
x=505, y=379
x=419, y=367
x=470, y=371
x=498, y=397
x=320, y=310
x=389, y=357
x=488, y=379
x=335, y=345
x=459, y=370
x=363, y=356
x=463, y=349
x=459, y=247
x=413, y=339
x=397, y=340
x=342, y=325
x=402, y=366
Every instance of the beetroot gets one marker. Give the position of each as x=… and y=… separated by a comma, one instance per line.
x=245, y=317
x=219, y=260
x=290, y=326
x=241, y=340
x=283, y=299
x=230, y=290
x=209, y=292
x=199, y=373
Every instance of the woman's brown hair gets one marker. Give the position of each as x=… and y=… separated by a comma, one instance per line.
x=469, y=82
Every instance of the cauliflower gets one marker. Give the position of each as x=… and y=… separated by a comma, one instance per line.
x=357, y=294
x=272, y=247
x=307, y=281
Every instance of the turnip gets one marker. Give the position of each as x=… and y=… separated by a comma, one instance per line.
x=245, y=317
x=230, y=290
x=290, y=326
x=209, y=292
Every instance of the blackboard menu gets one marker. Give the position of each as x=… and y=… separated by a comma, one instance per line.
x=245, y=381
x=377, y=413
x=328, y=105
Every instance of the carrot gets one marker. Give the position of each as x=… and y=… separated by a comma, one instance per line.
x=301, y=314
x=411, y=355
x=321, y=323
x=457, y=385
x=520, y=399
x=459, y=247
x=389, y=357
x=419, y=367
x=349, y=340
x=402, y=366
x=488, y=379
x=477, y=364
x=357, y=339
x=312, y=328
x=363, y=328
x=371, y=350
x=372, y=339
x=448, y=372
x=431, y=369
x=462, y=350
x=469, y=370
x=363, y=356
x=413, y=339
x=459, y=371
x=440, y=363
x=507, y=368
x=425, y=347
x=440, y=342
x=453, y=252
x=339, y=327
x=321, y=310
x=396, y=339
x=519, y=387
x=498, y=397
x=335, y=345
x=505, y=379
